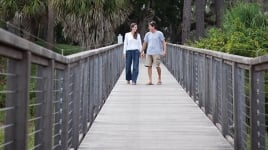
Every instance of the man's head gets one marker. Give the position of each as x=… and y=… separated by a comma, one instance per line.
x=152, y=26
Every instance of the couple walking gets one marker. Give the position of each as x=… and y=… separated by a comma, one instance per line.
x=154, y=41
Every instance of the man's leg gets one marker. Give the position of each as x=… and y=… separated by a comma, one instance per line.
x=150, y=70
x=149, y=63
x=157, y=61
x=159, y=74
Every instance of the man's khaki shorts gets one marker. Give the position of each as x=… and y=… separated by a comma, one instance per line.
x=153, y=59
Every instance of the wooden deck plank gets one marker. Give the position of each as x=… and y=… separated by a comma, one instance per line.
x=157, y=117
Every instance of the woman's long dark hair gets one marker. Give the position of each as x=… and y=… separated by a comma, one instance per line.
x=136, y=33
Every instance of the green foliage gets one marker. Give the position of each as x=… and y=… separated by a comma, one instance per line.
x=8, y=7
x=216, y=40
x=30, y=8
x=245, y=32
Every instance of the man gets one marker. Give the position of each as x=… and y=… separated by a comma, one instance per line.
x=154, y=40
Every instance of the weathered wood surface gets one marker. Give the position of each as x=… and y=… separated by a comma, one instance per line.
x=157, y=117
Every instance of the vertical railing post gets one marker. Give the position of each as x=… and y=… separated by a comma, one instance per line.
x=177, y=63
x=224, y=102
x=77, y=98
x=180, y=67
x=46, y=124
x=23, y=80
x=91, y=89
x=184, y=69
x=65, y=112
x=96, y=85
x=257, y=99
x=10, y=134
x=192, y=74
x=214, y=91
x=195, y=81
x=187, y=69
x=105, y=79
x=101, y=99
x=85, y=97
x=206, y=85
x=201, y=87
x=58, y=110
x=239, y=100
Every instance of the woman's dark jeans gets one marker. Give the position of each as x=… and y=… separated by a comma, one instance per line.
x=132, y=56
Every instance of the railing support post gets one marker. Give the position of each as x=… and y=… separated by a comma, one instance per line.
x=77, y=98
x=257, y=99
x=47, y=99
x=215, y=91
x=65, y=112
x=224, y=102
x=239, y=104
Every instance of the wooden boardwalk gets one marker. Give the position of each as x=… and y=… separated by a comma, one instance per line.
x=156, y=117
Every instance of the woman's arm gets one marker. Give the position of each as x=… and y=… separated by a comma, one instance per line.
x=140, y=44
x=125, y=44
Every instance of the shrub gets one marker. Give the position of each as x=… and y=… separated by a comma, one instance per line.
x=245, y=32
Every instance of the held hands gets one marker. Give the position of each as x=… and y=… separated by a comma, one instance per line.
x=164, y=53
x=142, y=54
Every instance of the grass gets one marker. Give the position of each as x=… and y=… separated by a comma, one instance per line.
x=65, y=48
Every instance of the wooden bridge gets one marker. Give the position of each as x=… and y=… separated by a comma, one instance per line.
x=213, y=101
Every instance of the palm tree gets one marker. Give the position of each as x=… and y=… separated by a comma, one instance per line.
x=91, y=23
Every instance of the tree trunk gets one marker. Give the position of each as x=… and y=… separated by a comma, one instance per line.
x=146, y=17
x=186, y=20
x=219, y=9
x=50, y=30
x=200, y=18
x=263, y=4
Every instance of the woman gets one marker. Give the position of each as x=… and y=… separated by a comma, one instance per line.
x=132, y=48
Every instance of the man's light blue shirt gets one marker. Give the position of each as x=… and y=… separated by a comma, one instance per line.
x=154, y=42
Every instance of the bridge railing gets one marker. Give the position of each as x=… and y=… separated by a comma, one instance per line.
x=49, y=101
x=231, y=90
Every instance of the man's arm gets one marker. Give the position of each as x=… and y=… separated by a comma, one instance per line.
x=144, y=45
x=164, y=47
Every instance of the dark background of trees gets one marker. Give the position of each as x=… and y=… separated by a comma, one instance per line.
x=97, y=23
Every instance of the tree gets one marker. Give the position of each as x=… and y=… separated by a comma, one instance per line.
x=200, y=18
x=51, y=24
x=167, y=14
x=219, y=9
x=186, y=20
x=32, y=16
x=263, y=4
x=92, y=23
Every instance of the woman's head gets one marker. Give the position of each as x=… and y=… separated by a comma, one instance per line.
x=134, y=28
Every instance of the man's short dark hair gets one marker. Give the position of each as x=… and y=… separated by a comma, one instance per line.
x=153, y=24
